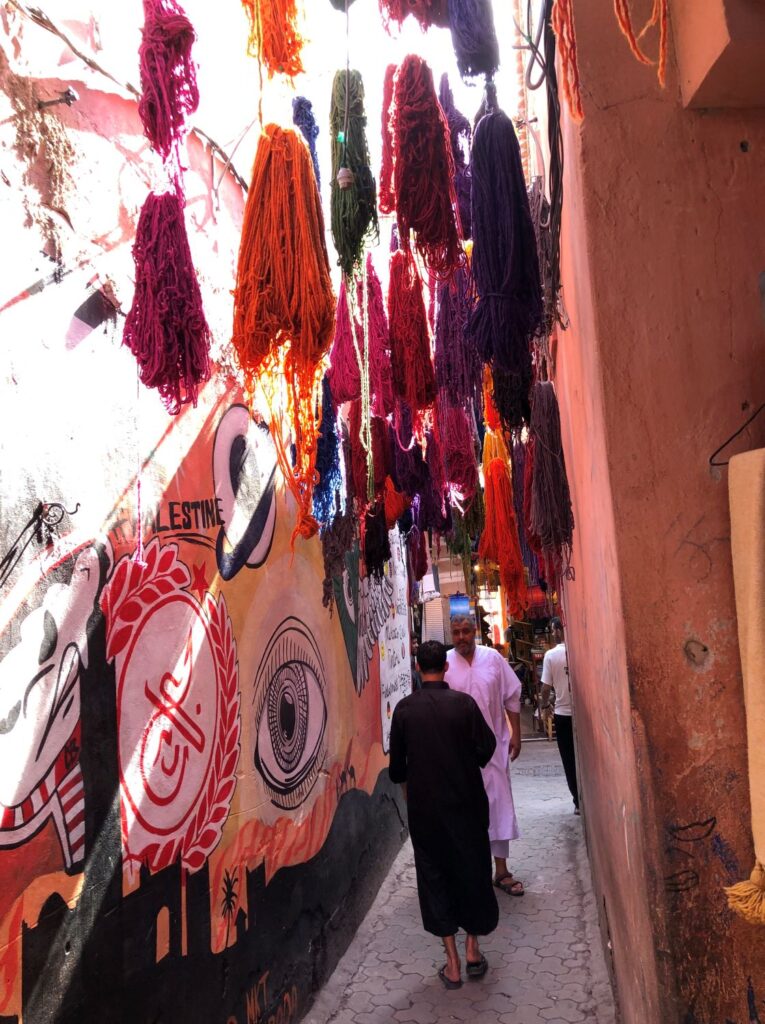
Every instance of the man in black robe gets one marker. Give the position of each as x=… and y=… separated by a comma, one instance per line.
x=439, y=741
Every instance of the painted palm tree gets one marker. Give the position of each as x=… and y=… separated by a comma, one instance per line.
x=230, y=899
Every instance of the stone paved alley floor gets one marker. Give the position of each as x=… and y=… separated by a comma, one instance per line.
x=546, y=959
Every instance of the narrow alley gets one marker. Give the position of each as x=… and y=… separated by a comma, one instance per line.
x=546, y=959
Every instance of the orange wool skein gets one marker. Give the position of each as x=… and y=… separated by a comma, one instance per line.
x=274, y=38
x=499, y=541
x=284, y=307
x=563, y=27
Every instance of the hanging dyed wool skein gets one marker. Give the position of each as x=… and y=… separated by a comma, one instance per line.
x=518, y=461
x=166, y=329
x=499, y=540
x=459, y=136
x=458, y=364
x=329, y=478
x=551, y=519
x=274, y=37
x=354, y=197
x=373, y=335
x=458, y=450
x=376, y=542
x=283, y=301
x=169, y=91
x=424, y=170
x=509, y=310
x=344, y=373
x=427, y=12
x=303, y=118
x=336, y=540
x=413, y=377
x=474, y=37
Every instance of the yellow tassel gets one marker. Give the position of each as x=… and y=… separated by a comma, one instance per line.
x=747, y=899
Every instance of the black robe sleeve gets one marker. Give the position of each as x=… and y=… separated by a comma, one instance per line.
x=397, y=767
x=484, y=740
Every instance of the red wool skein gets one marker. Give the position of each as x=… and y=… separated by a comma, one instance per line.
x=380, y=370
x=360, y=458
x=166, y=329
x=414, y=379
x=169, y=91
x=424, y=169
x=427, y=12
x=344, y=373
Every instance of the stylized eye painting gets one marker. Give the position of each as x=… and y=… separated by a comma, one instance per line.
x=290, y=714
x=244, y=463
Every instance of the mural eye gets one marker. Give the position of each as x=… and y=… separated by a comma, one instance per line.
x=290, y=715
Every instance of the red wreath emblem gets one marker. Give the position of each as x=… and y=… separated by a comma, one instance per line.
x=131, y=595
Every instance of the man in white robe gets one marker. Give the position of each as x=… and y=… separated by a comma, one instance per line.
x=484, y=674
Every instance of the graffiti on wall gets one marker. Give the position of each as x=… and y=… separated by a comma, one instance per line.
x=40, y=709
x=229, y=728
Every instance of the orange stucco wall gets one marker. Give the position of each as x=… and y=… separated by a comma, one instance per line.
x=664, y=240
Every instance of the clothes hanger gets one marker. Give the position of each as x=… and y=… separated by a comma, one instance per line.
x=733, y=437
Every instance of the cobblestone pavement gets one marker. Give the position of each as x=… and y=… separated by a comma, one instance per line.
x=546, y=959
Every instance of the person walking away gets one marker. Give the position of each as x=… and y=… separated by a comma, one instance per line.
x=439, y=742
x=486, y=676
x=555, y=677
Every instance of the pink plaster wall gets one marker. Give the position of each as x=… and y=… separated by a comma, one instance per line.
x=663, y=244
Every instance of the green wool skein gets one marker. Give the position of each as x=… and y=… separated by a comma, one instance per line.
x=354, y=207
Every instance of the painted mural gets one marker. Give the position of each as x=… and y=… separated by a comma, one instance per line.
x=192, y=747
x=234, y=714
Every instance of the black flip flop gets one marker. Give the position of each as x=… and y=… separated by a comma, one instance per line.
x=448, y=983
x=476, y=968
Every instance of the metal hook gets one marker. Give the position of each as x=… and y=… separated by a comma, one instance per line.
x=68, y=96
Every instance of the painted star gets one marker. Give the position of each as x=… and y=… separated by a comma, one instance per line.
x=199, y=582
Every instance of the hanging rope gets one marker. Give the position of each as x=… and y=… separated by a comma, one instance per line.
x=283, y=301
x=303, y=118
x=166, y=329
x=169, y=91
x=424, y=170
x=413, y=376
x=509, y=310
x=354, y=197
x=474, y=37
x=274, y=37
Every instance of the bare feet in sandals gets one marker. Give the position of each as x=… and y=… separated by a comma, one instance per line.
x=509, y=885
